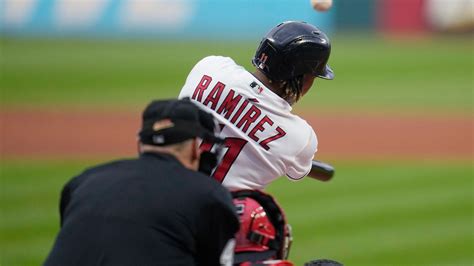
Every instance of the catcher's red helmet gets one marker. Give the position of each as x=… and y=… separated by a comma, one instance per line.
x=256, y=230
x=264, y=233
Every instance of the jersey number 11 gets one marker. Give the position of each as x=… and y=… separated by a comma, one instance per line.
x=234, y=146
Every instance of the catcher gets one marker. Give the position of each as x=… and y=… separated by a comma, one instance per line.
x=264, y=237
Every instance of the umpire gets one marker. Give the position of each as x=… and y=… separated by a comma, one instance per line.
x=156, y=209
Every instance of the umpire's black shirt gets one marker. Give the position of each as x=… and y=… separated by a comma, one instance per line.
x=146, y=211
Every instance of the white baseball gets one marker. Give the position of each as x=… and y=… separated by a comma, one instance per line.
x=321, y=5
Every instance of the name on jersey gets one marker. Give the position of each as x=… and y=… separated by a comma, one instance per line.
x=252, y=122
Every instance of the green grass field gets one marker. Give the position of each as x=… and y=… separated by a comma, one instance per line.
x=371, y=214
x=370, y=73
x=413, y=212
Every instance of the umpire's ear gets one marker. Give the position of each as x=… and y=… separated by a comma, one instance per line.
x=195, y=154
x=207, y=121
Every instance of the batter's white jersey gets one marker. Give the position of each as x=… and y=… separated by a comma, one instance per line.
x=264, y=140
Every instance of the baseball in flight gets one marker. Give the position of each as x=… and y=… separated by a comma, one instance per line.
x=321, y=5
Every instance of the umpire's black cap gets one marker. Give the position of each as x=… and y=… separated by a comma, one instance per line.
x=167, y=122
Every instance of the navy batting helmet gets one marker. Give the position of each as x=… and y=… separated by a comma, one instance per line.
x=292, y=49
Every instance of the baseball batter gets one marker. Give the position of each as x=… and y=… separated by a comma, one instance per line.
x=263, y=139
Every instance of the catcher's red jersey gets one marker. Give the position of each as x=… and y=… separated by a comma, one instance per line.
x=264, y=140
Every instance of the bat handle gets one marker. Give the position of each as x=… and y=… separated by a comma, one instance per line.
x=321, y=171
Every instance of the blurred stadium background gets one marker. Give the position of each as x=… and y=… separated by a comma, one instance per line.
x=393, y=58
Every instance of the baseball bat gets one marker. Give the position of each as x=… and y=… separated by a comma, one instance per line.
x=321, y=171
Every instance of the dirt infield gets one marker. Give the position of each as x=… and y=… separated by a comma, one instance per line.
x=57, y=134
